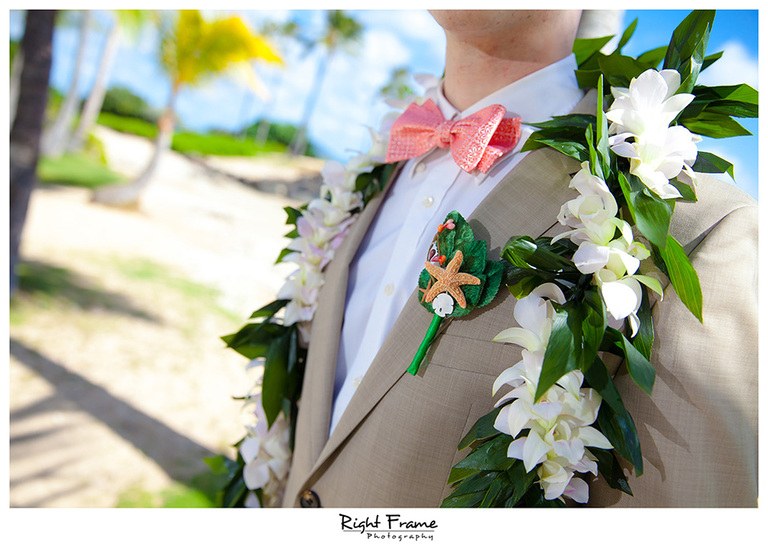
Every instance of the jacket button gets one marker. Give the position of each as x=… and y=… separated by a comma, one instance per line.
x=309, y=499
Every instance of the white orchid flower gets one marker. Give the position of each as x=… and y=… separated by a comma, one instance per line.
x=593, y=213
x=558, y=424
x=267, y=455
x=534, y=314
x=650, y=102
x=658, y=152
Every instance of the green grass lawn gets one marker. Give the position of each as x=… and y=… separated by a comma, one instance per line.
x=125, y=124
x=196, y=143
x=80, y=170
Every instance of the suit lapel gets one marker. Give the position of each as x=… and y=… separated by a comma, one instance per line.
x=525, y=202
x=326, y=333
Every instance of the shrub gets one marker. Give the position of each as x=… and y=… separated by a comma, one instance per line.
x=133, y=126
x=123, y=102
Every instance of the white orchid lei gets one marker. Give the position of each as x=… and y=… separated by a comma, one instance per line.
x=574, y=291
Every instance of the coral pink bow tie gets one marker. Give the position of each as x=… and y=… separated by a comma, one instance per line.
x=476, y=141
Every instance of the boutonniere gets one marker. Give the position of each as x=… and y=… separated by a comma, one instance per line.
x=457, y=278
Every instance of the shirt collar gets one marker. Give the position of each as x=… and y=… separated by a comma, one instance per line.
x=550, y=91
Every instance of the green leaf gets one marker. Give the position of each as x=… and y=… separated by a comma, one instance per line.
x=626, y=191
x=714, y=125
x=587, y=79
x=683, y=276
x=687, y=192
x=620, y=430
x=595, y=165
x=688, y=37
x=592, y=325
x=568, y=147
x=522, y=480
x=253, y=339
x=653, y=57
x=275, y=381
x=614, y=419
x=559, y=357
x=628, y=32
x=234, y=492
x=490, y=455
x=640, y=369
x=482, y=429
x=269, y=310
x=524, y=252
x=283, y=253
x=688, y=47
x=585, y=48
x=221, y=465
x=643, y=340
x=470, y=492
x=608, y=466
x=620, y=69
x=534, y=498
x=651, y=213
x=522, y=282
x=709, y=60
x=293, y=215
x=710, y=163
x=571, y=123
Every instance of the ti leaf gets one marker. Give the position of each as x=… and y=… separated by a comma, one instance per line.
x=611, y=470
x=490, y=455
x=683, y=276
x=559, y=357
x=640, y=369
x=275, y=381
x=710, y=163
x=614, y=419
x=688, y=45
x=483, y=429
x=651, y=213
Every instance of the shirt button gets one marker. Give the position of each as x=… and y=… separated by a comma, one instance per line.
x=389, y=289
x=356, y=381
x=420, y=168
x=427, y=202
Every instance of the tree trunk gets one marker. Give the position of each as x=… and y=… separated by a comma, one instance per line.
x=129, y=195
x=95, y=99
x=299, y=145
x=27, y=127
x=55, y=139
x=15, y=83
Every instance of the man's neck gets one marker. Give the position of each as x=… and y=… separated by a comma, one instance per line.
x=477, y=69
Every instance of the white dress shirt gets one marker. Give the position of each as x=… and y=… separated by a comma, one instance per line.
x=386, y=269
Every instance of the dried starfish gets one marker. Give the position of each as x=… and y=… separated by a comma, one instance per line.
x=450, y=280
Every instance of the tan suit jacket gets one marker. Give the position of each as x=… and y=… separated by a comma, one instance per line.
x=396, y=442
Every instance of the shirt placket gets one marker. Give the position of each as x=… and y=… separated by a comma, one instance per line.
x=398, y=281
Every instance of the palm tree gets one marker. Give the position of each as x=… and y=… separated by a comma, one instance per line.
x=130, y=20
x=341, y=31
x=191, y=51
x=17, y=63
x=55, y=137
x=289, y=30
x=28, y=124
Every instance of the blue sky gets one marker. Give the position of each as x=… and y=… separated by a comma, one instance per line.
x=348, y=101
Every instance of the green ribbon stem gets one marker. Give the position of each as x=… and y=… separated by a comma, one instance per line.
x=425, y=343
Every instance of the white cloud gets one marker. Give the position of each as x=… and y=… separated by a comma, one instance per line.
x=735, y=66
